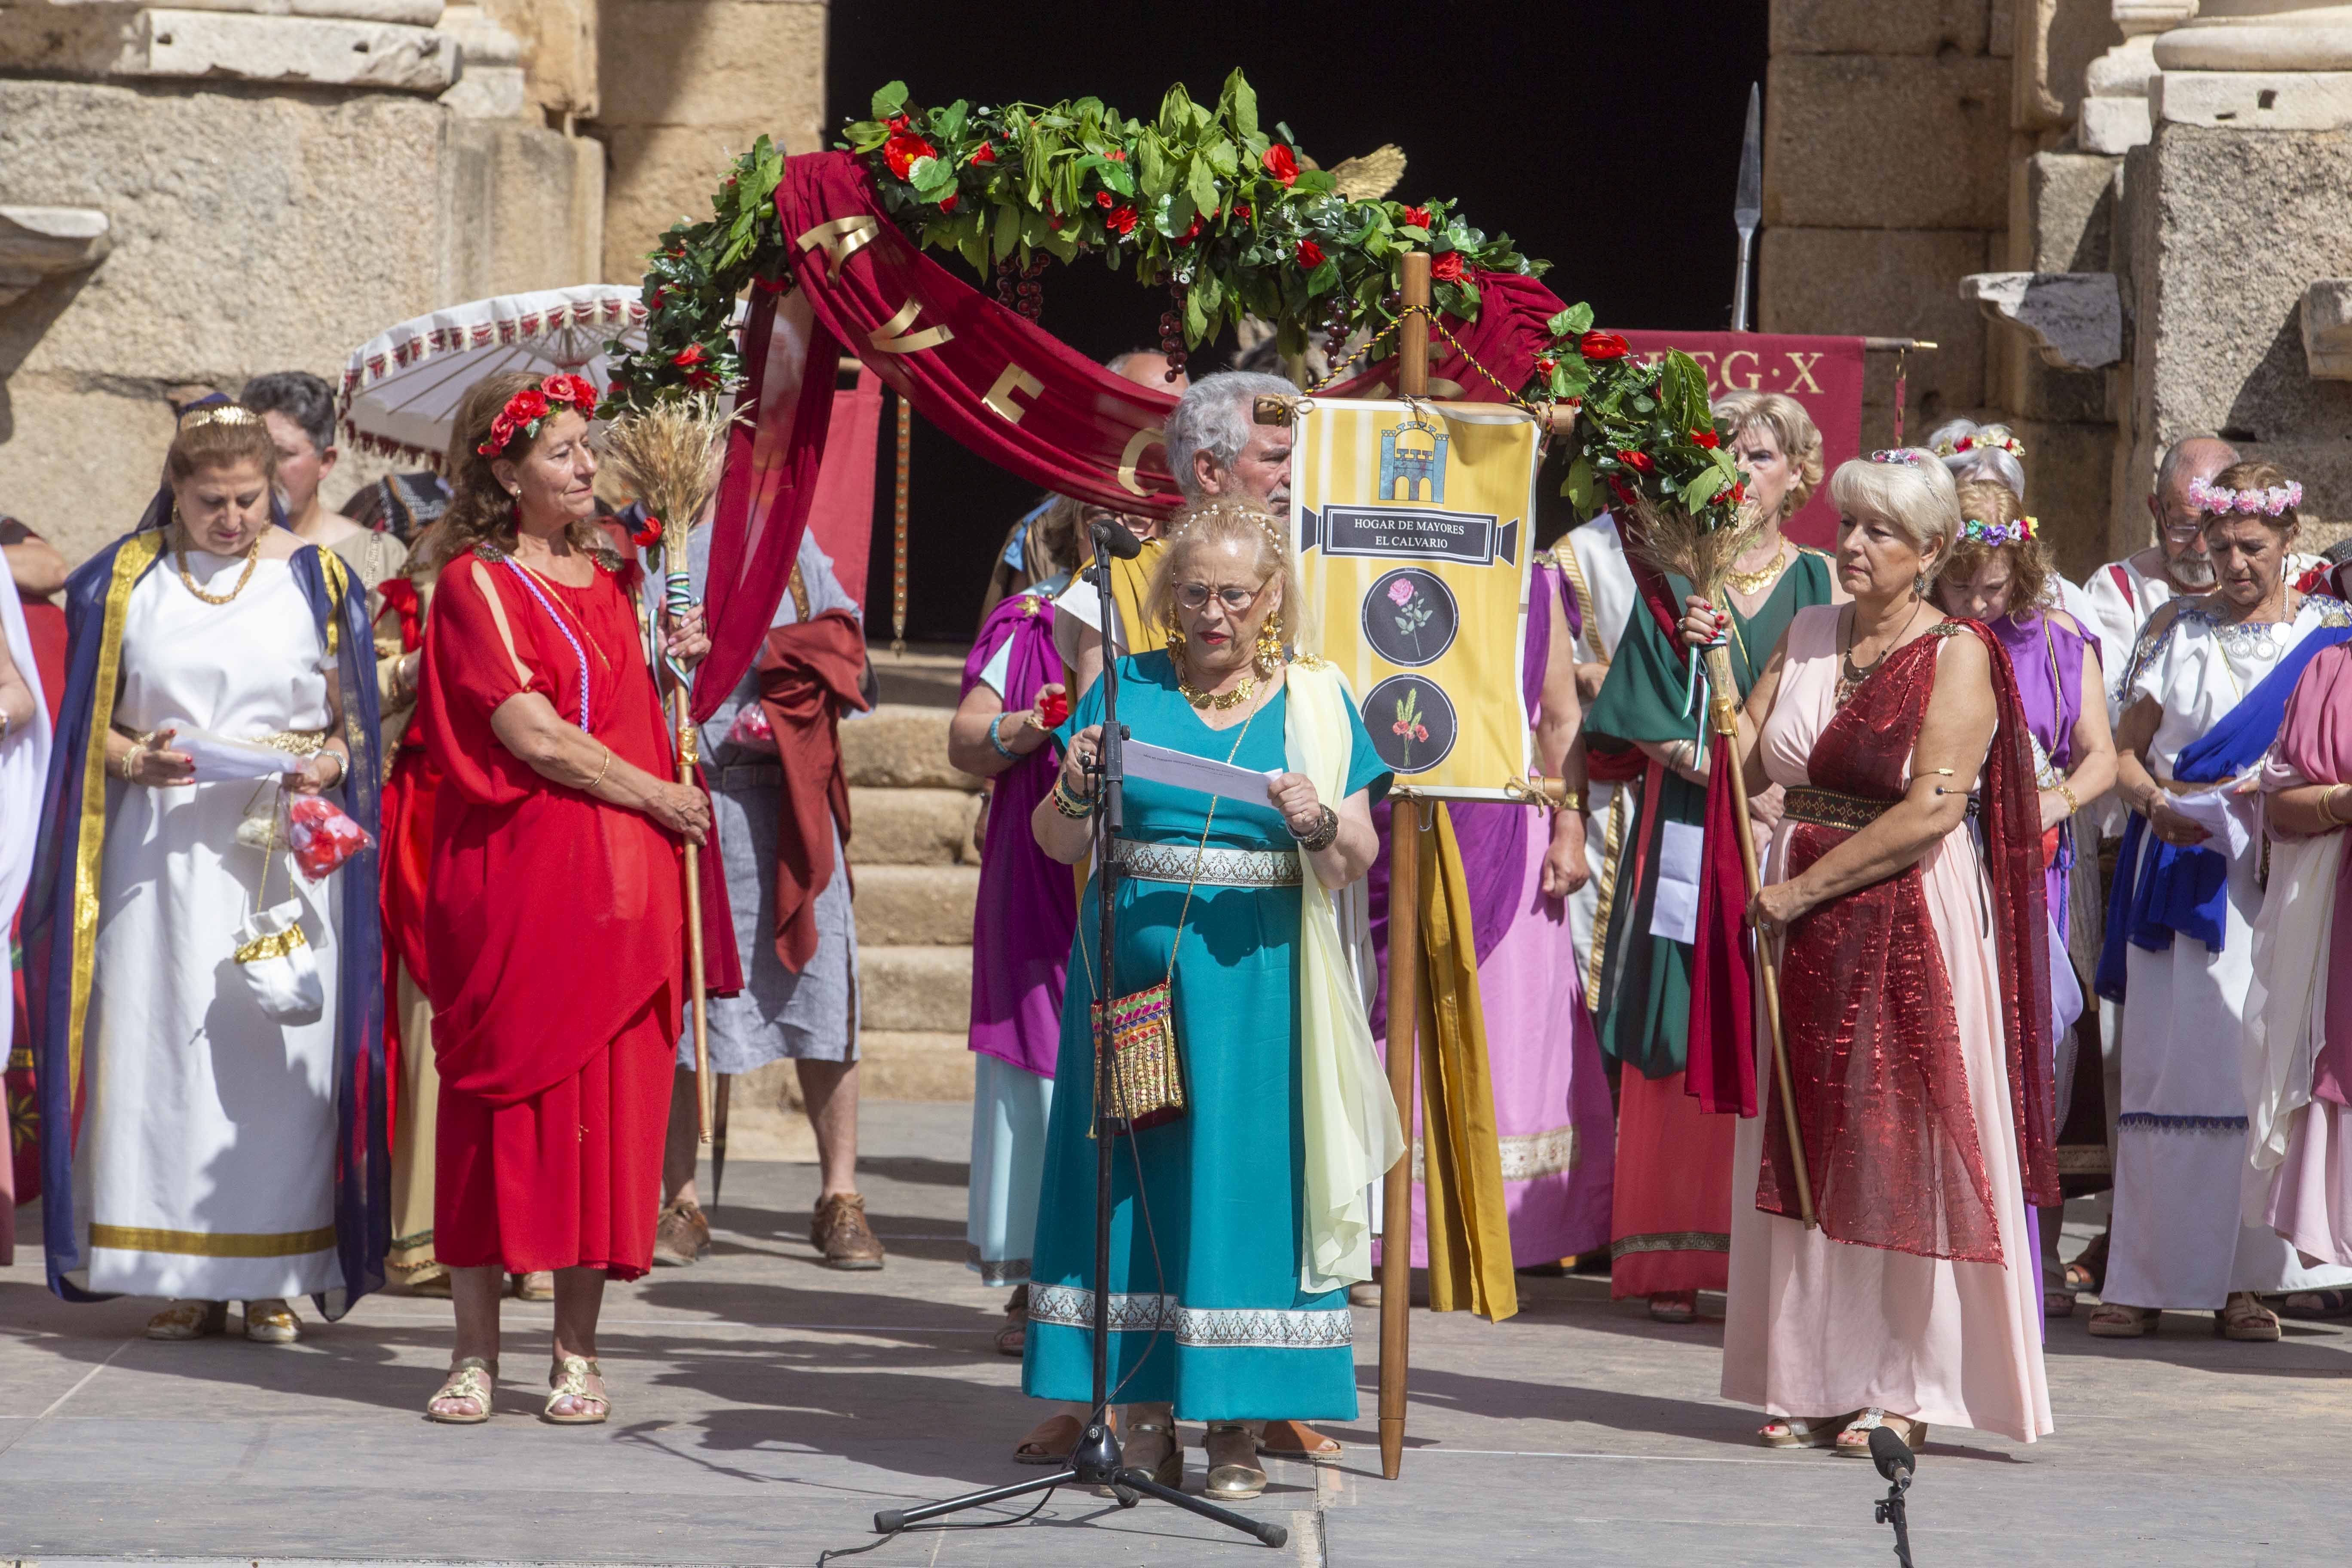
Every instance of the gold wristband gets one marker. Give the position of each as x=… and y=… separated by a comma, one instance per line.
x=602, y=771
x=1573, y=800
x=2326, y=809
x=2073, y=805
x=131, y=760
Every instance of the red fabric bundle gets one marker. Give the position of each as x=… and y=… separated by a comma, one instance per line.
x=808, y=676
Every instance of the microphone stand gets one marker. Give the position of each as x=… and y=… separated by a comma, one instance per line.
x=1097, y=1460
x=1895, y=1462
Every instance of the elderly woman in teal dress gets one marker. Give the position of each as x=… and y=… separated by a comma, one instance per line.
x=1228, y=1277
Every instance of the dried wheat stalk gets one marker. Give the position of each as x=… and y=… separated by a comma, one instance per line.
x=669, y=454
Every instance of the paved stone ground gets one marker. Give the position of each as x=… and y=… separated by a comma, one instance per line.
x=767, y=1406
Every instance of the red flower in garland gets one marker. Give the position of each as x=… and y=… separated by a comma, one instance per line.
x=527, y=405
x=1104, y=199
x=895, y=122
x=649, y=534
x=1242, y=211
x=695, y=362
x=1640, y=462
x=1415, y=218
x=948, y=202
x=689, y=357
x=1603, y=346
x=1282, y=163
x=986, y=155
x=1191, y=233
x=1446, y=269
x=1310, y=255
x=1120, y=220
x=1706, y=438
x=902, y=149
x=1738, y=493
x=1118, y=154
x=1545, y=364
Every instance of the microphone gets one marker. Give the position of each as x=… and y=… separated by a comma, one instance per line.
x=1112, y=538
x=1891, y=1455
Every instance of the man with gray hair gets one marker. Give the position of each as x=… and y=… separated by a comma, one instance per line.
x=2125, y=593
x=1215, y=448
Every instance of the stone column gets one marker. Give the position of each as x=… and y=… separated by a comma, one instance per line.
x=2115, y=105
x=2236, y=210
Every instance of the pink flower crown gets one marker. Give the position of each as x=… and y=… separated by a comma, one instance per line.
x=2209, y=496
x=2009, y=444
x=2016, y=532
x=1903, y=455
x=527, y=410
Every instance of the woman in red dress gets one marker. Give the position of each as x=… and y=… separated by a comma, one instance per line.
x=555, y=955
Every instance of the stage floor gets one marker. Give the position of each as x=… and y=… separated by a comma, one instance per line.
x=765, y=1407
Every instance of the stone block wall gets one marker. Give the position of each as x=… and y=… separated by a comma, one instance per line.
x=1887, y=134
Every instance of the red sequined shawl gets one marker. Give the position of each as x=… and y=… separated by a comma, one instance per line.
x=1892, y=1145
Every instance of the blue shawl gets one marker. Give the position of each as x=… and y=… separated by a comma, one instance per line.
x=2187, y=890
x=61, y=907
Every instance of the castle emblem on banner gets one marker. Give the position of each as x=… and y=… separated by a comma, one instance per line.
x=1417, y=466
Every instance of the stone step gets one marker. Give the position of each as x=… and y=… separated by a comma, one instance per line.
x=901, y=746
x=911, y=826
x=922, y=1064
x=915, y=989
x=916, y=906
x=764, y=1115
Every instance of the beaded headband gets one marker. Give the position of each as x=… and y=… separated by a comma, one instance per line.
x=2016, y=532
x=219, y=413
x=1981, y=443
x=1902, y=455
x=2209, y=496
x=526, y=411
x=1274, y=533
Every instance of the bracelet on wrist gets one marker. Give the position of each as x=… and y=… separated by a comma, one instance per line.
x=1069, y=804
x=997, y=741
x=1322, y=835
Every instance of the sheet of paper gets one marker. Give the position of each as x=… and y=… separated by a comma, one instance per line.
x=219, y=757
x=1676, y=913
x=1160, y=765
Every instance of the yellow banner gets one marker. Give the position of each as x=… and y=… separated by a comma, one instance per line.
x=1413, y=526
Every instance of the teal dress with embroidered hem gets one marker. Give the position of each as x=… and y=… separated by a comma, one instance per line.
x=1206, y=1309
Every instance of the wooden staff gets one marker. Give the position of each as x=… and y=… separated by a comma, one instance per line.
x=1725, y=706
x=689, y=749
x=1404, y=977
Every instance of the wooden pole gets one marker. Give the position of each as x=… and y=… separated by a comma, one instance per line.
x=1396, y=1192
x=1727, y=730
x=689, y=749
x=1404, y=980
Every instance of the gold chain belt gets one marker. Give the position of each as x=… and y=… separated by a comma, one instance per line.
x=1190, y=863
x=295, y=742
x=1829, y=808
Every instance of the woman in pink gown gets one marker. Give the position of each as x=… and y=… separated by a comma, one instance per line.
x=1914, y=997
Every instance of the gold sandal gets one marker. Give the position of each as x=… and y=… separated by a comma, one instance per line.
x=271, y=1323
x=572, y=1384
x=1234, y=1480
x=471, y=1378
x=1168, y=1469
x=189, y=1321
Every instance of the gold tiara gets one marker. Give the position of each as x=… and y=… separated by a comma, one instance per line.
x=1274, y=533
x=219, y=413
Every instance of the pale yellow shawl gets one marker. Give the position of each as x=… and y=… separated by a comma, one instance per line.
x=1352, y=1135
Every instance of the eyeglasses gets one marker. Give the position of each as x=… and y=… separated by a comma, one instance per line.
x=1196, y=595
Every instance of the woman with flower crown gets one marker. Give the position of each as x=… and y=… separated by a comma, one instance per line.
x=2204, y=699
x=1999, y=574
x=1241, y=1214
x=215, y=1119
x=554, y=957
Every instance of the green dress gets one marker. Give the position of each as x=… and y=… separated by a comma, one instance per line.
x=1643, y=1002
x=1206, y=1309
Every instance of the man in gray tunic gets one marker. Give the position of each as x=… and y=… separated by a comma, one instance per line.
x=810, y=1017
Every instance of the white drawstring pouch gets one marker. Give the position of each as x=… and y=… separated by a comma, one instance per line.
x=278, y=964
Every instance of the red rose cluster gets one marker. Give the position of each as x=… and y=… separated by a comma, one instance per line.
x=528, y=409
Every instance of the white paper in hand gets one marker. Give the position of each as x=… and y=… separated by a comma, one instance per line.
x=1162, y=765
x=220, y=757
x=1675, y=915
x=2225, y=814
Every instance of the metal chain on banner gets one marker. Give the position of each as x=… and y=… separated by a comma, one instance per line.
x=898, y=540
x=1437, y=324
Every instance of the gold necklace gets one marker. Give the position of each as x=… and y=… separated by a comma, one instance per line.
x=1749, y=582
x=1210, y=701
x=1851, y=676
x=180, y=557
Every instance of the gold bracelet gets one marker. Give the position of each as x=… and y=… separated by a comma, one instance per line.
x=1573, y=800
x=131, y=760
x=2327, y=812
x=602, y=771
x=2073, y=805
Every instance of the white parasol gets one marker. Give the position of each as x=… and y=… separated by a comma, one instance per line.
x=401, y=388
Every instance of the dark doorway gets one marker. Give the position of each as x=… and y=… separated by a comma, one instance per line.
x=1601, y=136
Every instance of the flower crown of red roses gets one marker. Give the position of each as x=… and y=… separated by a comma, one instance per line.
x=526, y=411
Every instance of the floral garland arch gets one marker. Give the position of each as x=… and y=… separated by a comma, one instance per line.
x=1233, y=220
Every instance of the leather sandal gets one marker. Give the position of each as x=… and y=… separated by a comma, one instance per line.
x=1050, y=1441
x=1298, y=1441
x=2115, y=1320
x=189, y=1321
x=1674, y=1307
x=1854, y=1443
x=1013, y=1337
x=571, y=1382
x=2242, y=1317
x=470, y=1378
x=1233, y=1473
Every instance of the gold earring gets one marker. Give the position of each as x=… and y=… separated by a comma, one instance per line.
x=1269, y=645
